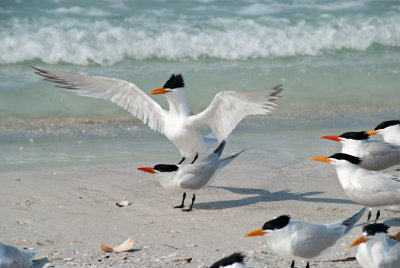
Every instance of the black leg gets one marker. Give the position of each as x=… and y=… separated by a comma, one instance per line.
x=191, y=205
x=369, y=215
x=183, y=159
x=378, y=214
x=195, y=158
x=183, y=201
x=292, y=266
x=308, y=265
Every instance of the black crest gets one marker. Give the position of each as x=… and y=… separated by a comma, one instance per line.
x=165, y=168
x=175, y=81
x=277, y=223
x=386, y=124
x=374, y=228
x=362, y=135
x=352, y=159
x=235, y=257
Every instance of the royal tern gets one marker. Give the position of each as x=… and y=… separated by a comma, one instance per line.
x=375, y=249
x=13, y=257
x=368, y=188
x=375, y=155
x=303, y=240
x=178, y=123
x=233, y=261
x=184, y=178
x=390, y=130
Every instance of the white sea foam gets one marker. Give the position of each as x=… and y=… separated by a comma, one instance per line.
x=105, y=42
x=80, y=11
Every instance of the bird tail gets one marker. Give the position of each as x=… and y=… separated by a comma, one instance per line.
x=349, y=223
x=225, y=161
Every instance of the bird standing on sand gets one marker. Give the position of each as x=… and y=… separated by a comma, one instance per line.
x=390, y=130
x=190, y=178
x=368, y=188
x=375, y=155
x=302, y=240
x=178, y=123
x=375, y=249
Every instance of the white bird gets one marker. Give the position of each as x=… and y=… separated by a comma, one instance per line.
x=184, y=178
x=232, y=261
x=368, y=188
x=375, y=155
x=13, y=257
x=178, y=123
x=303, y=240
x=390, y=130
x=375, y=249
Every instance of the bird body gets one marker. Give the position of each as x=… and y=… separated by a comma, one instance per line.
x=390, y=131
x=178, y=124
x=375, y=249
x=302, y=240
x=368, y=188
x=13, y=257
x=375, y=155
x=184, y=178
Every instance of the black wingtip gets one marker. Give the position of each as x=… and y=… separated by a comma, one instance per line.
x=349, y=223
x=236, y=257
x=220, y=148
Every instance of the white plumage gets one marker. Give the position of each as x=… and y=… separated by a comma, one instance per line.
x=178, y=123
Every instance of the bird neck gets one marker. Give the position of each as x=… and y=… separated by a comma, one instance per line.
x=177, y=104
x=346, y=172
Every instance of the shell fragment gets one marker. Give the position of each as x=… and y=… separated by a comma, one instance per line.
x=126, y=246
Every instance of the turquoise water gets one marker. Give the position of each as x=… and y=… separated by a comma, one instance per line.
x=339, y=62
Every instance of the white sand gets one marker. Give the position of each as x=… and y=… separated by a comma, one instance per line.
x=71, y=210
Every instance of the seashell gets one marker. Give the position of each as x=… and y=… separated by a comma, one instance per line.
x=126, y=246
x=123, y=203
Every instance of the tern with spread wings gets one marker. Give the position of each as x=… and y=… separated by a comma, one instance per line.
x=178, y=123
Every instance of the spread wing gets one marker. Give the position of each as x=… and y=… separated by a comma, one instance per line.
x=229, y=107
x=120, y=92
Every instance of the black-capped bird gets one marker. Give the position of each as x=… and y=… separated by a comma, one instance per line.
x=178, y=124
x=303, y=240
x=390, y=131
x=375, y=249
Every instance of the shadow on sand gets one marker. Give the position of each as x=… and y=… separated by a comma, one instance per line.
x=261, y=195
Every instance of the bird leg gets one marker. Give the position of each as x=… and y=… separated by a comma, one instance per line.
x=292, y=265
x=183, y=201
x=191, y=205
x=195, y=158
x=183, y=159
x=369, y=215
x=377, y=215
x=308, y=265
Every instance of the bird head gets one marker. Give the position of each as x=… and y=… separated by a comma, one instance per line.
x=383, y=127
x=338, y=158
x=174, y=84
x=369, y=231
x=348, y=136
x=271, y=226
x=160, y=168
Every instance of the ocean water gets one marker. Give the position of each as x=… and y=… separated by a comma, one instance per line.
x=339, y=63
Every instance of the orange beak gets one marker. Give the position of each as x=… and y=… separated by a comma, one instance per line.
x=160, y=90
x=332, y=137
x=372, y=132
x=258, y=232
x=147, y=169
x=322, y=159
x=358, y=241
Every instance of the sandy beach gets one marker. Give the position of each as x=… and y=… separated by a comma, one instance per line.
x=63, y=214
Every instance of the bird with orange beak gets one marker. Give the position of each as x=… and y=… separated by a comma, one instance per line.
x=178, y=124
x=368, y=188
x=375, y=249
x=375, y=155
x=390, y=131
x=303, y=240
x=184, y=178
